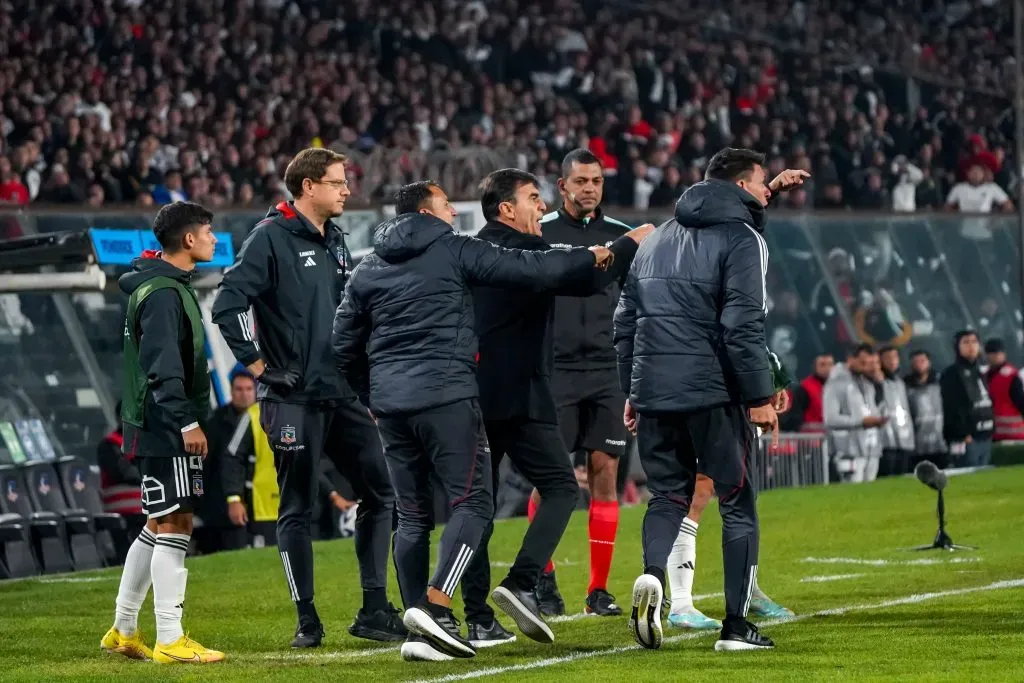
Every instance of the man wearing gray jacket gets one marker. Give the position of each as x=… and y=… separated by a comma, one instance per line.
x=853, y=417
x=925, y=398
x=898, y=434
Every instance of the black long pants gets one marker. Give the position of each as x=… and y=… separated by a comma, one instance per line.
x=448, y=441
x=895, y=462
x=344, y=432
x=720, y=443
x=538, y=452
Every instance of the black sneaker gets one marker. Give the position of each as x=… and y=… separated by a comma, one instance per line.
x=523, y=609
x=489, y=636
x=602, y=603
x=308, y=634
x=548, y=598
x=440, y=627
x=740, y=634
x=384, y=625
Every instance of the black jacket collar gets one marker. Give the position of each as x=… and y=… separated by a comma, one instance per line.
x=495, y=231
x=580, y=224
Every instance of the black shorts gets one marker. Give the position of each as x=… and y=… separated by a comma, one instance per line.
x=171, y=484
x=590, y=406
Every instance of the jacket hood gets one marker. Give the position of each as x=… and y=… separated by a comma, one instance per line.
x=714, y=202
x=149, y=266
x=404, y=237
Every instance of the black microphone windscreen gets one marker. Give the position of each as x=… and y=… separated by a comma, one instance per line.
x=930, y=475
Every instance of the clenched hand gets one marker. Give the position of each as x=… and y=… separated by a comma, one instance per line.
x=788, y=179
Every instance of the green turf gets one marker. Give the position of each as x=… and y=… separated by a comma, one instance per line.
x=238, y=602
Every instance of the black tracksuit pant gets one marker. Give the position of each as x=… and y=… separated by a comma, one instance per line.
x=538, y=452
x=719, y=442
x=448, y=441
x=344, y=432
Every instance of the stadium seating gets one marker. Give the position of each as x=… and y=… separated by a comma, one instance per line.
x=81, y=486
x=49, y=532
x=44, y=490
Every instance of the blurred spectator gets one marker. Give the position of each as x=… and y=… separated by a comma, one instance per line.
x=898, y=433
x=1007, y=392
x=977, y=195
x=219, y=530
x=120, y=480
x=925, y=399
x=853, y=416
x=12, y=190
x=966, y=406
x=806, y=413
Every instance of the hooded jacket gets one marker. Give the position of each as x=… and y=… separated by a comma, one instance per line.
x=847, y=400
x=292, y=277
x=166, y=361
x=966, y=405
x=404, y=333
x=689, y=327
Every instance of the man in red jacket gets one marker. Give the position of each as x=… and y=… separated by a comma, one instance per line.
x=1007, y=392
x=805, y=415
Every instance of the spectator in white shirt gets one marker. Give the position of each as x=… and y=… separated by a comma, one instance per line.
x=904, y=193
x=978, y=195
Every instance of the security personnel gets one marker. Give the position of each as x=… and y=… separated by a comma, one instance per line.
x=1007, y=392
x=249, y=479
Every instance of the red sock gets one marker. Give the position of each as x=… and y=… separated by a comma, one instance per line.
x=531, y=512
x=604, y=522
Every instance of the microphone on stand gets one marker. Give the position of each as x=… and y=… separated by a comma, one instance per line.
x=934, y=478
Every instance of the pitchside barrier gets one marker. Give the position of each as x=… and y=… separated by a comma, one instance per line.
x=797, y=460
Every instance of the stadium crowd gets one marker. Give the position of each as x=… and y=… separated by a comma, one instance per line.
x=123, y=101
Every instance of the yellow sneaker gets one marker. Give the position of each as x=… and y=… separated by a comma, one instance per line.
x=185, y=651
x=132, y=647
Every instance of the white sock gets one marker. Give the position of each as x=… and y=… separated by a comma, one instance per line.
x=135, y=581
x=169, y=576
x=681, y=564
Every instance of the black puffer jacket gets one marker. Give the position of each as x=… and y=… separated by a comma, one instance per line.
x=689, y=327
x=403, y=334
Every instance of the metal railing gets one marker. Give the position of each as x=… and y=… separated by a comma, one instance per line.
x=797, y=460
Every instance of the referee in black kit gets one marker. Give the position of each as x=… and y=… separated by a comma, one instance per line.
x=690, y=340
x=291, y=269
x=403, y=337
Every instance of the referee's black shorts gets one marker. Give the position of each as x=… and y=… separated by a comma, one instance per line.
x=590, y=406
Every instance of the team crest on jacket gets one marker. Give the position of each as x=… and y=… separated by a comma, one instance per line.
x=288, y=435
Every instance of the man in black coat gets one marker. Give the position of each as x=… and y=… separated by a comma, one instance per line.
x=403, y=337
x=515, y=328
x=968, y=418
x=690, y=339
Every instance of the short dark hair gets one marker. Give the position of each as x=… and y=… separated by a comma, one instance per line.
x=410, y=198
x=920, y=352
x=886, y=349
x=501, y=186
x=732, y=164
x=580, y=155
x=242, y=374
x=174, y=220
x=863, y=347
x=311, y=163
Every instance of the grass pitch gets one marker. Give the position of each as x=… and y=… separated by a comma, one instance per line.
x=868, y=608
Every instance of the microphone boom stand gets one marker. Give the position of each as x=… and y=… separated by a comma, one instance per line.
x=942, y=540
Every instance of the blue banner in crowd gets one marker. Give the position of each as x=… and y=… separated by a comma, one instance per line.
x=119, y=247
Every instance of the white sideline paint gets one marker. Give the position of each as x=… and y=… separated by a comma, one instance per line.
x=886, y=563
x=319, y=656
x=554, y=661
x=80, y=579
x=830, y=577
x=582, y=615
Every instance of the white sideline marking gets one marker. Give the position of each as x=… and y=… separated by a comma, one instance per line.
x=79, y=579
x=885, y=563
x=320, y=656
x=554, y=661
x=830, y=577
x=582, y=615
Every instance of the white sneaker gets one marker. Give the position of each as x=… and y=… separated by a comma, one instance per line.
x=418, y=649
x=645, y=620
